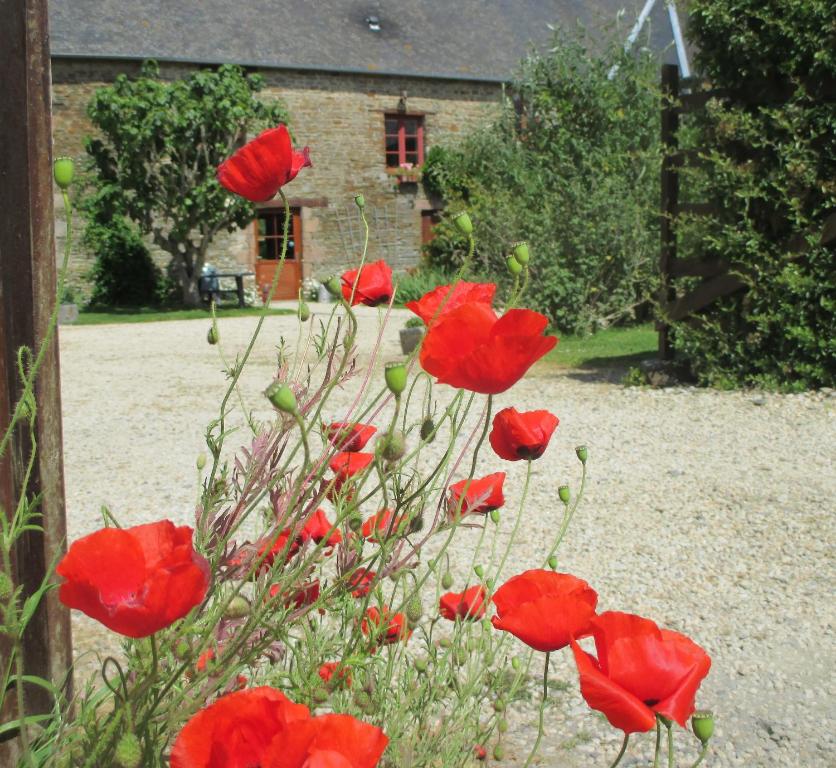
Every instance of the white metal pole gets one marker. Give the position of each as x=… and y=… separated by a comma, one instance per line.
x=681, y=52
x=634, y=32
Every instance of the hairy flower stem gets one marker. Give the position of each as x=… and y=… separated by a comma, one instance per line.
x=303, y=430
x=623, y=750
x=498, y=574
x=362, y=258
x=701, y=757
x=542, y=712
x=670, y=746
x=567, y=518
x=658, y=750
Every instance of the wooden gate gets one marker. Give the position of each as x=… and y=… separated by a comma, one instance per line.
x=719, y=277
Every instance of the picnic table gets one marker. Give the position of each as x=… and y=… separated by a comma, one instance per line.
x=210, y=288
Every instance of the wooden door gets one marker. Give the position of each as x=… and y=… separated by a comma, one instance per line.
x=269, y=227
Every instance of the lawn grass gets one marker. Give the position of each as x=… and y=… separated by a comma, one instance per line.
x=613, y=347
x=153, y=314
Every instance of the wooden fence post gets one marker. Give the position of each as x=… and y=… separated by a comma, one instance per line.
x=670, y=199
x=27, y=294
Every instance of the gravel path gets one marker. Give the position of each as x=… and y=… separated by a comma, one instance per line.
x=710, y=512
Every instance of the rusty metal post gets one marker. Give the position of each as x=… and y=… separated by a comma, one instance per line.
x=670, y=200
x=27, y=295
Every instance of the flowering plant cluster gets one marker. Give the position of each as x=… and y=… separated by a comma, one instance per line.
x=309, y=618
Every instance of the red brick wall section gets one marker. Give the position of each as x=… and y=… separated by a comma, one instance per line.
x=340, y=116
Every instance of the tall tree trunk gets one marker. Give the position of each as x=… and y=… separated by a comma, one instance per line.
x=188, y=278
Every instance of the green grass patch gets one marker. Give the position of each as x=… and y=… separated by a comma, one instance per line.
x=611, y=348
x=153, y=315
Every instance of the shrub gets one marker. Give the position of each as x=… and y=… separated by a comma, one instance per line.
x=414, y=284
x=574, y=167
x=770, y=167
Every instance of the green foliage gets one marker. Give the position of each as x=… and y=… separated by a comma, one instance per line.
x=770, y=166
x=413, y=285
x=574, y=170
x=160, y=143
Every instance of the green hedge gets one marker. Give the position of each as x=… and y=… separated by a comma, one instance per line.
x=573, y=169
x=771, y=167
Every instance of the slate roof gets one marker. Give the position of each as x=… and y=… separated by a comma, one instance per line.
x=462, y=39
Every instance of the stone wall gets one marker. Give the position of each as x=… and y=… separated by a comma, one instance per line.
x=341, y=118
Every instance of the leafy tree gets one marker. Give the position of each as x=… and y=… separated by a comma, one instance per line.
x=160, y=144
x=571, y=164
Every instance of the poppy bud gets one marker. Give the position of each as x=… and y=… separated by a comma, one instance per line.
x=582, y=453
x=282, y=397
x=520, y=251
x=201, y=460
x=395, y=374
x=421, y=665
x=447, y=580
x=355, y=522
x=489, y=584
x=515, y=664
x=427, y=430
x=514, y=267
x=212, y=335
x=703, y=724
x=360, y=201
x=499, y=705
x=498, y=752
x=553, y=562
x=502, y=725
x=495, y=515
x=414, y=610
x=5, y=587
x=563, y=493
x=128, y=751
x=333, y=285
x=303, y=312
x=62, y=171
x=238, y=608
x=416, y=523
x=393, y=446
x=445, y=642
x=479, y=571
x=463, y=223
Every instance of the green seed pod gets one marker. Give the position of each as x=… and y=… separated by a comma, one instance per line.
x=479, y=571
x=421, y=665
x=495, y=516
x=463, y=223
x=395, y=374
x=514, y=267
x=447, y=580
x=355, y=521
x=515, y=664
x=201, y=460
x=414, y=610
x=303, y=311
x=238, y=608
x=128, y=751
x=360, y=201
x=428, y=430
x=520, y=251
x=499, y=752
x=563, y=493
x=703, y=725
x=333, y=286
x=502, y=725
x=63, y=172
x=212, y=335
x=499, y=705
x=445, y=642
x=392, y=446
x=489, y=584
x=6, y=587
x=282, y=397
x=582, y=453
x=553, y=562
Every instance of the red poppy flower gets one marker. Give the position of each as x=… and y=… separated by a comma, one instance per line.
x=374, y=284
x=307, y=594
x=479, y=752
x=427, y=307
x=346, y=464
x=236, y=730
x=471, y=348
x=317, y=528
x=482, y=494
x=360, y=582
x=385, y=627
x=640, y=670
x=349, y=437
x=469, y=604
x=329, y=669
x=269, y=548
x=205, y=659
x=545, y=609
x=327, y=741
x=380, y=525
x=525, y=435
x=137, y=580
x=262, y=166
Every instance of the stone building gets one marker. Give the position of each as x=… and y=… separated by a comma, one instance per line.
x=370, y=86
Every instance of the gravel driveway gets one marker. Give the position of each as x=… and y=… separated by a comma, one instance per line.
x=710, y=512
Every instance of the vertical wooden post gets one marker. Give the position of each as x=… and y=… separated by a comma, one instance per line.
x=670, y=199
x=27, y=295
